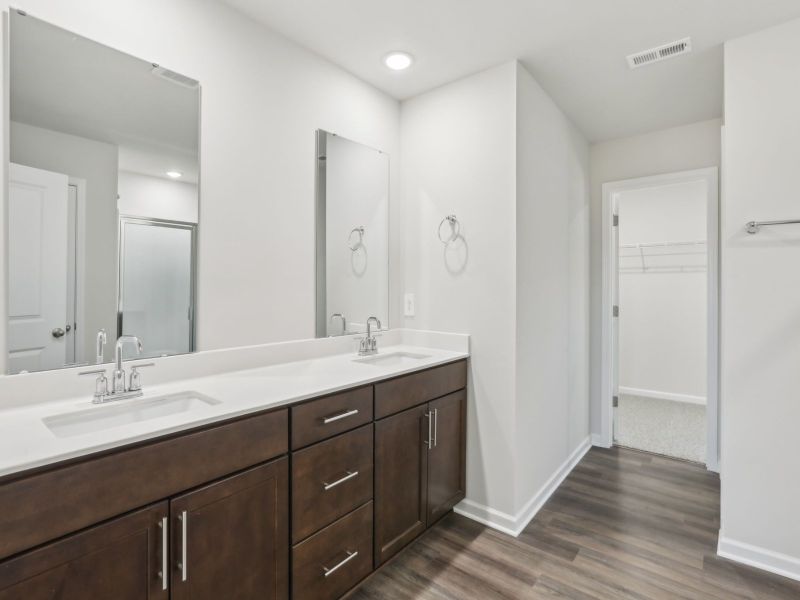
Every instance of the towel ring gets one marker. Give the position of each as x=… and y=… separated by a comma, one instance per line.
x=359, y=231
x=455, y=229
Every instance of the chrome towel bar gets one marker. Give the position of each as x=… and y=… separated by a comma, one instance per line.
x=754, y=226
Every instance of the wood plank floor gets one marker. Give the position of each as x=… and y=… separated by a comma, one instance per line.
x=624, y=524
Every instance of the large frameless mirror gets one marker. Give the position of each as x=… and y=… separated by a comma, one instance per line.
x=352, y=233
x=102, y=201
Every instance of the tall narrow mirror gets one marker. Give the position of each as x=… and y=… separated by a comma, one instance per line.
x=352, y=232
x=102, y=200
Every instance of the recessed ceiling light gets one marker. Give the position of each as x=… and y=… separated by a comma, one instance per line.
x=174, y=174
x=397, y=61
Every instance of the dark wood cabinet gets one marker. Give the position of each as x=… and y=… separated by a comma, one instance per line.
x=329, y=480
x=230, y=539
x=324, y=418
x=121, y=559
x=47, y=505
x=335, y=559
x=447, y=455
x=420, y=470
x=401, y=480
x=217, y=500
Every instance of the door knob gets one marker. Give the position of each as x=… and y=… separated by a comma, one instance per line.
x=57, y=332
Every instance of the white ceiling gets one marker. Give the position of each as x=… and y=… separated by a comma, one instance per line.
x=575, y=48
x=66, y=83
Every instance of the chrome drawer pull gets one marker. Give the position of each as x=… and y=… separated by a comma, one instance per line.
x=349, y=476
x=332, y=570
x=184, y=519
x=164, y=572
x=343, y=415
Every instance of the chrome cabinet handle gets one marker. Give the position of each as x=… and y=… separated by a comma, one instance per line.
x=184, y=519
x=435, y=427
x=343, y=415
x=348, y=477
x=429, y=441
x=164, y=572
x=332, y=570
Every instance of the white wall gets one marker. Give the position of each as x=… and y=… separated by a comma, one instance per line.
x=494, y=150
x=96, y=163
x=685, y=148
x=760, y=395
x=459, y=157
x=662, y=324
x=157, y=198
x=552, y=270
x=263, y=97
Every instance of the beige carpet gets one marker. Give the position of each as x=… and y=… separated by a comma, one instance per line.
x=666, y=427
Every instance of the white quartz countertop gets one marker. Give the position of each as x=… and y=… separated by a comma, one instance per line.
x=26, y=442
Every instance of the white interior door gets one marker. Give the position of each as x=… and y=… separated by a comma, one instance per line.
x=37, y=269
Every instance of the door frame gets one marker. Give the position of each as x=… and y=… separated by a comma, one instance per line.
x=609, y=358
x=192, y=227
x=79, y=323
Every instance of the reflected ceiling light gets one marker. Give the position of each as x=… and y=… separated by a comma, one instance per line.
x=397, y=61
x=174, y=174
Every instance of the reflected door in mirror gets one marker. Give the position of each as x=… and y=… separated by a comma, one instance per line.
x=37, y=269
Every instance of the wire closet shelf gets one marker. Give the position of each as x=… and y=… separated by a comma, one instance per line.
x=664, y=257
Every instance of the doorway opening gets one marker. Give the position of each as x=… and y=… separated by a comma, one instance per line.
x=660, y=300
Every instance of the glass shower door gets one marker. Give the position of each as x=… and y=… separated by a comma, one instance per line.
x=156, y=296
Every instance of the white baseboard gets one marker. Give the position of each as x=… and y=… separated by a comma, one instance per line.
x=490, y=517
x=600, y=441
x=514, y=524
x=659, y=395
x=760, y=558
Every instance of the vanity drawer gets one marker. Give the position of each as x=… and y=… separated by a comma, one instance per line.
x=44, y=506
x=331, y=562
x=329, y=480
x=401, y=393
x=320, y=419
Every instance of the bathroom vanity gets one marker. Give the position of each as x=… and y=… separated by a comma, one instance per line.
x=262, y=471
x=304, y=499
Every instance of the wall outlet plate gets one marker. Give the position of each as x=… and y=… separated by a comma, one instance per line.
x=409, y=305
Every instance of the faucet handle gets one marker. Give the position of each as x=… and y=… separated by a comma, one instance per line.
x=136, y=378
x=93, y=372
x=100, y=385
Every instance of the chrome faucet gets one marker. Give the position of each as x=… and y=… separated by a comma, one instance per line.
x=102, y=339
x=369, y=345
x=120, y=389
x=118, y=380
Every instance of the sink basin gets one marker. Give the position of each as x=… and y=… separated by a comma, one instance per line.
x=100, y=418
x=393, y=359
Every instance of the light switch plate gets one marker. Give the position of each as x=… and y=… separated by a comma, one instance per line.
x=409, y=305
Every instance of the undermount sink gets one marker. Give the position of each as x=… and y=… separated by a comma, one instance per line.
x=99, y=418
x=393, y=359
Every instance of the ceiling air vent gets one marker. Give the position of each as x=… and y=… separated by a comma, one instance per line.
x=654, y=55
x=174, y=77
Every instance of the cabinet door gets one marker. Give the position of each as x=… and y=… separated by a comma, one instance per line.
x=121, y=559
x=230, y=539
x=447, y=455
x=401, y=478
